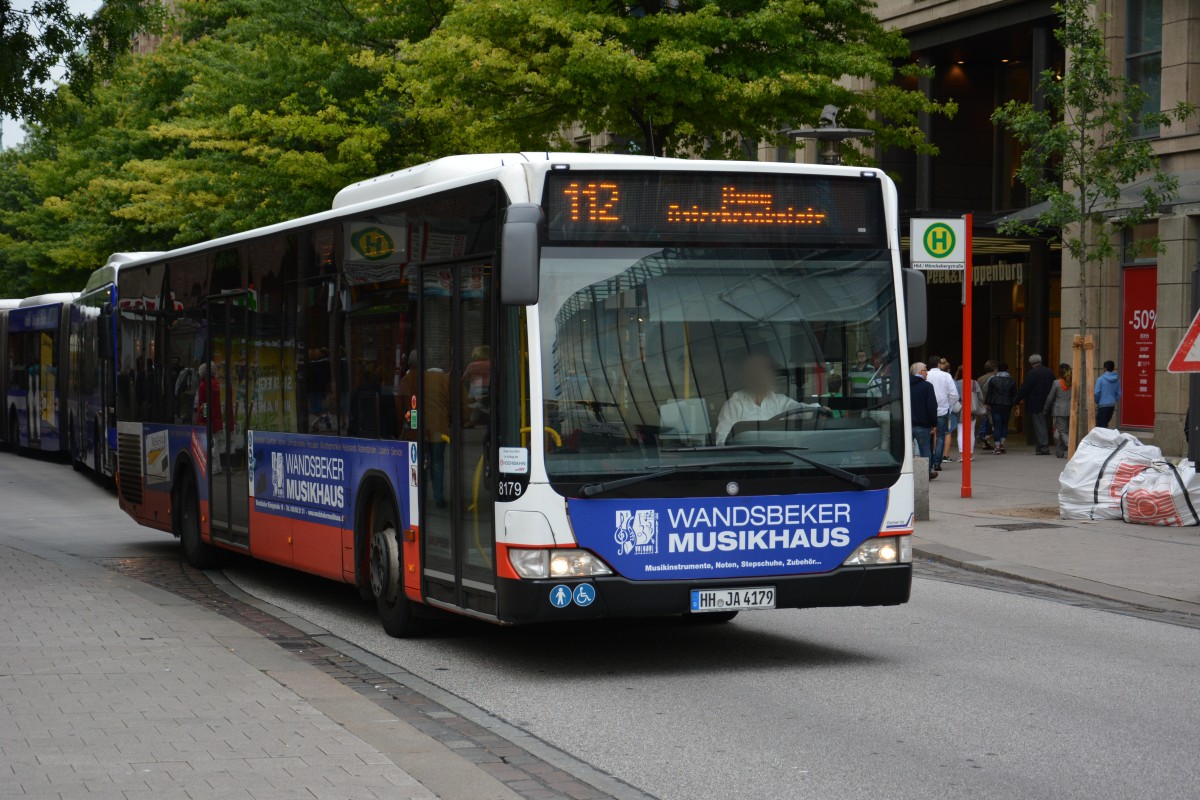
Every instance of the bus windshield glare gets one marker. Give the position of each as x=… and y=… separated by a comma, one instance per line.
x=687, y=358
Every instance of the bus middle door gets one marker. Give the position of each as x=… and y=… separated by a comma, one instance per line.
x=227, y=396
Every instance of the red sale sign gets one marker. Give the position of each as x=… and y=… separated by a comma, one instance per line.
x=1139, y=309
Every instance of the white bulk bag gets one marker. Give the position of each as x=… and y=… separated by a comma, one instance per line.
x=1162, y=495
x=1106, y=460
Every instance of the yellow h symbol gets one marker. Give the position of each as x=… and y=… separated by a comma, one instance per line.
x=939, y=240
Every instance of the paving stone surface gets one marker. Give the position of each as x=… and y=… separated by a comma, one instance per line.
x=105, y=694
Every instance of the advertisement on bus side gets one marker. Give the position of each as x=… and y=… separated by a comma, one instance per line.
x=310, y=478
x=727, y=537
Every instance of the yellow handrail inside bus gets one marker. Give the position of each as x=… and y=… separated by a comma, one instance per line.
x=555, y=435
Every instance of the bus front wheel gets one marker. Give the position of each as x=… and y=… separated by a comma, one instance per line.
x=395, y=610
x=196, y=551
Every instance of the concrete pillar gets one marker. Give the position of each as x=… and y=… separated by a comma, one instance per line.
x=921, y=488
x=923, y=182
x=1039, y=60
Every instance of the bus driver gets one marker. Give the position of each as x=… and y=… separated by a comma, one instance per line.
x=759, y=401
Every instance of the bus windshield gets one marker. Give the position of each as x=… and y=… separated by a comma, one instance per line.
x=675, y=361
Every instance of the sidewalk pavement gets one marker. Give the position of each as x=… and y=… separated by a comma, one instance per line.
x=1010, y=526
x=112, y=688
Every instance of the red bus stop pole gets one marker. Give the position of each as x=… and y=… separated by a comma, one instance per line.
x=965, y=418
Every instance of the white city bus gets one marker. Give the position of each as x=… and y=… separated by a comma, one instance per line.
x=535, y=387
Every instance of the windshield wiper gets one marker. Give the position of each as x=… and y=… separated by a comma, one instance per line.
x=593, y=489
x=858, y=481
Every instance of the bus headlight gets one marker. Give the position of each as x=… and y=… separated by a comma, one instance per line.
x=544, y=563
x=882, y=550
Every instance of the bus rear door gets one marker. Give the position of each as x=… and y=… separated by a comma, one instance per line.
x=228, y=417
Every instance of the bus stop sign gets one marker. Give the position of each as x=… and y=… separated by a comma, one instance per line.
x=938, y=244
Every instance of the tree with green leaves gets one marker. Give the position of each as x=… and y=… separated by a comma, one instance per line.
x=686, y=78
x=47, y=38
x=249, y=113
x=1081, y=150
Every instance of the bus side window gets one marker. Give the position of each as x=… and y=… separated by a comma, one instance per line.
x=273, y=353
x=317, y=304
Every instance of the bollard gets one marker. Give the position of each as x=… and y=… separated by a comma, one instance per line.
x=921, y=488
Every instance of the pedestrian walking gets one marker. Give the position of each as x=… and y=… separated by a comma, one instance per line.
x=1107, y=392
x=966, y=428
x=999, y=396
x=1058, y=406
x=947, y=395
x=985, y=421
x=924, y=416
x=1034, y=390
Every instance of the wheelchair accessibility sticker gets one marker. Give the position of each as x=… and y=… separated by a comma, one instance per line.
x=584, y=595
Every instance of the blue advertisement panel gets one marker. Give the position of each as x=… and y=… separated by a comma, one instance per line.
x=727, y=537
x=311, y=478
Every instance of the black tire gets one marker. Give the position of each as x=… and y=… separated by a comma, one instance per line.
x=96, y=462
x=196, y=551
x=73, y=447
x=396, y=611
x=14, y=432
x=710, y=618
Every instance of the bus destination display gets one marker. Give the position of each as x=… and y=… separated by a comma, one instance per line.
x=714, y=207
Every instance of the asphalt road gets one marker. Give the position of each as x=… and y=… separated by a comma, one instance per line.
x=964, y=692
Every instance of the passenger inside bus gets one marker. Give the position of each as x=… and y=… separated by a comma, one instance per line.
x=758, y=401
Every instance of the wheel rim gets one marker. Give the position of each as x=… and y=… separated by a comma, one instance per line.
x=385, y=564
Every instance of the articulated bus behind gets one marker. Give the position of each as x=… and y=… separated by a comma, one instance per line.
x=5, y=305
x=37, y=369
x=92, y=406
x=533, y=387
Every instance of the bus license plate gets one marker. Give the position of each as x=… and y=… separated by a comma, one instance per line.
x=705, y=600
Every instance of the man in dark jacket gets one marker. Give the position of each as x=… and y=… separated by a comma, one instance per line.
x=998, y=397
x=924, y=412
x=1034, y=390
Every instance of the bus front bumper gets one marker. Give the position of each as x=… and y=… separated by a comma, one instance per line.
x=525, y=601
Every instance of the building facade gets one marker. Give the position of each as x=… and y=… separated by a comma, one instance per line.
x=984, y=53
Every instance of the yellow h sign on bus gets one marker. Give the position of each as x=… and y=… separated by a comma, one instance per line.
x=938, y=244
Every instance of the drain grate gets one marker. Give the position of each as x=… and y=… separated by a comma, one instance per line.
x=1013, y=527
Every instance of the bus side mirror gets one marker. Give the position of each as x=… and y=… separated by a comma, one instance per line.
x=916, y=308
x=520, y=252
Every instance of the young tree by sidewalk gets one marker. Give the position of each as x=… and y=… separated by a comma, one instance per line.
x=1082, y=149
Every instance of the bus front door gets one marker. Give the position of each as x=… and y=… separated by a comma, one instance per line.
x=227, y=417
x=454, y=418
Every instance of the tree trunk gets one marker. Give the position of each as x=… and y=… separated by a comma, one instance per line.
x=1079, y=380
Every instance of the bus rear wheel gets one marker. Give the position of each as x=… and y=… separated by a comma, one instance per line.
x=14, y=433
x=395, y=610
x=196, y=551
x=74, y=447
x=96, y=449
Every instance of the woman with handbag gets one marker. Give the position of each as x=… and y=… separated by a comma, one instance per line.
x=1058, y=406
x=977, y=411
